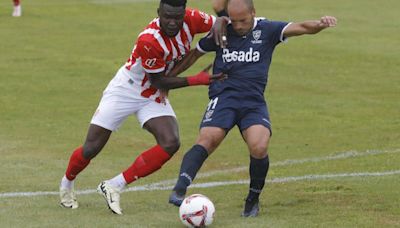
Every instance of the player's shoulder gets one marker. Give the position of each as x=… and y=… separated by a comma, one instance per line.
x=262, y=21
x=150, y=34
x=193, y=14
x=266, y=24
x=189, y=14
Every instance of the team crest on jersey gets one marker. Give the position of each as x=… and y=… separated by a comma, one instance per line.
x=256, y=36
x=150, y=62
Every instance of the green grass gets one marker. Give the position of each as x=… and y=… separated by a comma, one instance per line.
x=334, y=92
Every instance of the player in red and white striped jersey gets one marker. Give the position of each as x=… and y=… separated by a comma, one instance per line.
x=17, y=11
x=135, y=90
x=157, y=52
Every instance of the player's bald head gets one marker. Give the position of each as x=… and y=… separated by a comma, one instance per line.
x=241, y=14
x=240, y=5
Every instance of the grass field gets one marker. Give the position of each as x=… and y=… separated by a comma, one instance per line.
x=334, y=100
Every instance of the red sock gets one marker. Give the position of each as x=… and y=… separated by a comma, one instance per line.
x=77, y=163
x=16, y=2
x=147, y=163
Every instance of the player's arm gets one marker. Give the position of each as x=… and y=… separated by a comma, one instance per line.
x=186, y=62
x=201, y=22
x=218, y=31
x=160, y=81
x=309, y=27
x=203, y=78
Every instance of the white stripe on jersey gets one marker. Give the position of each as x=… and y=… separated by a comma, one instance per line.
x=174, y=51
x=282, y=38
x=181, y=45
x=200, y=49
x=187, y=31
x=162, y=44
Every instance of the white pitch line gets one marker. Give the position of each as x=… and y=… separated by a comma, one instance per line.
x=342, y=155
x=297, y=178
x=163, y=185
x=218, y=183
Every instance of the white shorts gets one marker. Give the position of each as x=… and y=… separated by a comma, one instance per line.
x=121, y=99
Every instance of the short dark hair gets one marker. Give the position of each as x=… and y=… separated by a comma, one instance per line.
x=174, y=3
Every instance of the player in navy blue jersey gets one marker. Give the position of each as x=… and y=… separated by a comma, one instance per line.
x=239, y=100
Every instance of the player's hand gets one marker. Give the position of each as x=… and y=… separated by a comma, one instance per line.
x=327, y=21
x=204, y=78
x=218, y=77
x=218, y=31
x=201, y=78
x=215, y=77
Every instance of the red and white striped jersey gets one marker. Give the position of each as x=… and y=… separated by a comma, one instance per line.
x=154, y=52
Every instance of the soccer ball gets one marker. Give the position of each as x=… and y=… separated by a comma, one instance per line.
x=196, y=211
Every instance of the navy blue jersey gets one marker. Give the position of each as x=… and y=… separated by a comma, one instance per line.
x=245, y=60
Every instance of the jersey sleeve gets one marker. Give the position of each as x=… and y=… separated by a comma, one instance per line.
x=278, y=27
x=152, y=56
x=199, y=22
x=206, y=44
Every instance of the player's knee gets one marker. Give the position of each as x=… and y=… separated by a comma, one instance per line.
x=171, y=145
x=208, y=143
x=258, y=151
x=90, y=150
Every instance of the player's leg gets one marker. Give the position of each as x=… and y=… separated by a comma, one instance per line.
x=166, y=133
x=256, y=131
x=106, y=119
x=159, y=120
x=218, y=119
x=96, y=138
x=111, y=112
x=219, y=7
x=207, y=141
x=257, y=139
x=17, y=11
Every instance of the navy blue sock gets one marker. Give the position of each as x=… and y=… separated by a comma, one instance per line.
x=258, y=172
x=191, y=163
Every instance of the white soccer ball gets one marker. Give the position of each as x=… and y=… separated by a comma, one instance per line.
x=196, y=211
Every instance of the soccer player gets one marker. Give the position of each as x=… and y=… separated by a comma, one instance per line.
x=239, y=100
x=135, y=90
x=219, y=7
x=17, y=12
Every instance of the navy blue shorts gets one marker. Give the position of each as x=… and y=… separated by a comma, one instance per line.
x=225, y=112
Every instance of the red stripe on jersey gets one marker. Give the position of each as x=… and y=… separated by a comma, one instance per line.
x=131, y=61
x=185, y=41
x=169, y=47
x=176, y=46
x=145, y=79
